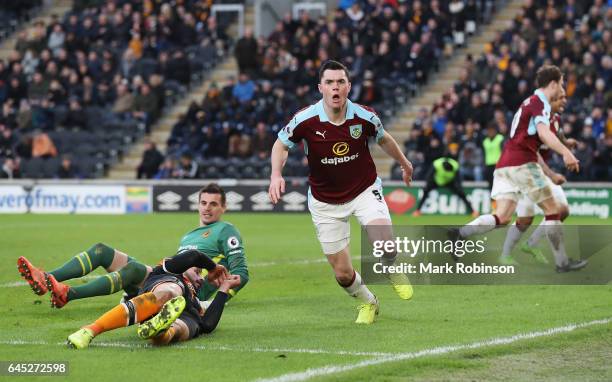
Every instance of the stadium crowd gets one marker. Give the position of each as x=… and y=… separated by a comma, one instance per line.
x=472, y=119
x=85, y=87
x=390, y=48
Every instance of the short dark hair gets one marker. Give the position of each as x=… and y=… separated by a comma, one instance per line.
x=547, y=74
x=212, y=188
x=333, y=65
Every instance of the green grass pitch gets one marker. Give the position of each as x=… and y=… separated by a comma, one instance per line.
x=292, y=317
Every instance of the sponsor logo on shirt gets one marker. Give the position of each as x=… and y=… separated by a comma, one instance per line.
x=340, y=149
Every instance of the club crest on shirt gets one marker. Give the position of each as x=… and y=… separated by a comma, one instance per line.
x=355, y=131
x=206, y=234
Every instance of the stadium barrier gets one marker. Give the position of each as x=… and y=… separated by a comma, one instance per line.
x=146, y=196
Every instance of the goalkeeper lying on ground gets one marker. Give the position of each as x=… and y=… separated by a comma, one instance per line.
x=218, y=239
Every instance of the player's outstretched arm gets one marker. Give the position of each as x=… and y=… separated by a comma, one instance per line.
x=278, y=158
x=551, y=140
x=390, y=146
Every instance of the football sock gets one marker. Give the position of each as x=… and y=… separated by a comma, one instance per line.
x=482, y=224
x=555, y=236
x=130, y=275
x=357, y=289
x=537, y=235
x=165, y=337
x=129, y=313
x=512, y=237
x=187, y=259
x=213, y=314
x=85, y=262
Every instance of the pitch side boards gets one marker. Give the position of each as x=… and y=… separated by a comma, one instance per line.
x=238, y=199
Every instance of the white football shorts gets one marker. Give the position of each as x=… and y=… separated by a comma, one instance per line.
x=527, y=179
x=526, y=208
x=331, y=221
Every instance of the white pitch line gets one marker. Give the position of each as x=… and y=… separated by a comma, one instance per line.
x=334, y=369
x=132, y=345
x=15, y=284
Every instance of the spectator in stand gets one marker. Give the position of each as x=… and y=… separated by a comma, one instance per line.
x=151, y=161
x=75, y=119
x=188, y=168
x=145, y=107
x=10, y=169
x=67, y=169
x=167, y=170
x=470, y=159
x=245, y=53
x=262, y=142
x=43, y=146
x=244, y=90
x=124, y=101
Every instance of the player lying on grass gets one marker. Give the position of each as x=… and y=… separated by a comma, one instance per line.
x=525, y=209
x=165, y=328
x=176, y=276
x=219, y=239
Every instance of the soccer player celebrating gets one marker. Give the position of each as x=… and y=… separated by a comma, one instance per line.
x=214, y=237
x=343, y=179
x=525, y=209
x=518, y=172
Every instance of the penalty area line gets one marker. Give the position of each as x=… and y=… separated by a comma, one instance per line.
x=334, y=369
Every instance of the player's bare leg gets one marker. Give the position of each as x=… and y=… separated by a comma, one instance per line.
x=485, y=223
x=552, y=223
x=177, y=332
x=381, y=229
x=349, y=279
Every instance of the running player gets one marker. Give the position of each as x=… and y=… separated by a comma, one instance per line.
x=518, y=172
x=525, y=209
x=343, y=179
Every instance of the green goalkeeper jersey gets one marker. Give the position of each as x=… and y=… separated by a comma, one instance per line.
x=221, y=241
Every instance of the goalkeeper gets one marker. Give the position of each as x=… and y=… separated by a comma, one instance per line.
x=219, y=239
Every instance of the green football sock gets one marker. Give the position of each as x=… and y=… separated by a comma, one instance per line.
x=127, y=277
x=85, y=262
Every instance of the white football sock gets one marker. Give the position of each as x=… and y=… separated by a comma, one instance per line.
x=537, y=235
x=555, y=236
x=512, y=237
x=359, y=290
x=482, y=224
